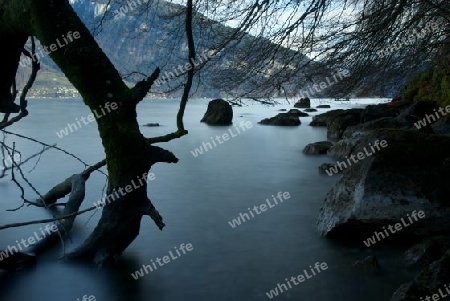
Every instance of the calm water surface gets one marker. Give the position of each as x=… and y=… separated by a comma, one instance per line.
x=197, y=198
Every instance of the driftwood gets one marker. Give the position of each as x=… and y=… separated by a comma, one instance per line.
x=64, y=220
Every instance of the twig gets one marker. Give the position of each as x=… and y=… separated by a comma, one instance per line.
x=48, y=145
x=43, y=221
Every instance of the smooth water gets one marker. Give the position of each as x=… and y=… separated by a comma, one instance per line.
x=197, y=197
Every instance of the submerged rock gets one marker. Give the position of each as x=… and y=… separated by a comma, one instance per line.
x=323, y=107
x=297, y=113
x=309, y=110
x=369, y=263
x=303, y=103
x=219, y=112
x=317, y=148
x=282, y=119
x=151, y=124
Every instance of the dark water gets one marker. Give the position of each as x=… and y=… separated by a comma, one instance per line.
x=197, y=198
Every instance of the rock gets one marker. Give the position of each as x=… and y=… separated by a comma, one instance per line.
x=282, y=110
x=282, y=119
x=370, y=263
x=152, y=124
x=360, y=130
x=323, y=107
x=309, y=110
x=343, y=148
x=297, y=113
x=352, y=134
x=341, y=121
x=428, y=283
x=303, y=103
x=317, y=148
x=323, y=119
x=427, y=251
x=417, y=111
x=442, y=126
x=326, y=166
x=290, y=118
x=410, y=174
x=219, y=112
x=373, y=112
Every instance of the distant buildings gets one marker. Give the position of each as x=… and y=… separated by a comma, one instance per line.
x=53, y=92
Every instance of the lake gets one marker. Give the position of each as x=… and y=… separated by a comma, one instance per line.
x=197, y=198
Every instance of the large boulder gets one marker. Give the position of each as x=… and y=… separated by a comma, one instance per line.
x=219, y=112
x=282, y=119
x=341, y=121
x=373, y=112
x=352, y=134
x=410, y=174
x=303, y=103
x=362, y=129
x=317, y=148
x=430, y=284
x=417, y=111
x=325, y=118
x=427, y=251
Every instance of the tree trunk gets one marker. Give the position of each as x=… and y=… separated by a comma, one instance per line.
x=129, y=155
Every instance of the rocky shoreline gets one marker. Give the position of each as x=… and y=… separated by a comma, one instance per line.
x=390, y=185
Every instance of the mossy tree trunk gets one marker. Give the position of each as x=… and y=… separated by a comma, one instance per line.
x=129, y=155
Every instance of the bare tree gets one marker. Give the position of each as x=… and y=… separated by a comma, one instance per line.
x=354, y=35
x=129, y=155
x=381, y=43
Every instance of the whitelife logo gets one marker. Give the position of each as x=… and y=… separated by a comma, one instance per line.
x=224, y=136
x=429, y=119
x=166, y=259
x=407, y=40
x=361, y=156
x=182, y=69
x=72, y=127
x=437, y=297
x=26, y=62
x=313, y=89
x=114, y=195
x=378, y=236
x=31, y=241
x=300, y=278
x=86, y=298
x=281, y=195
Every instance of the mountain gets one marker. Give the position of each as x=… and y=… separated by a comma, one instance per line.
x=138, y=40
